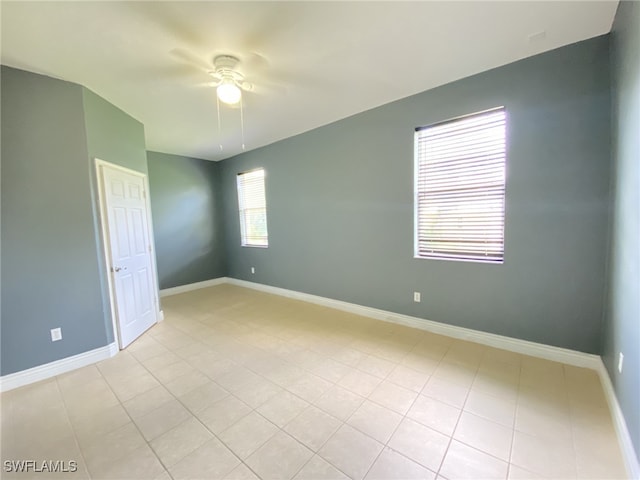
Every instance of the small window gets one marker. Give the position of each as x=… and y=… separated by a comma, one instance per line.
x=253, y=209
x=460, y=188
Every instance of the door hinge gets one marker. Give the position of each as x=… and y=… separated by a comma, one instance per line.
x=149, y=247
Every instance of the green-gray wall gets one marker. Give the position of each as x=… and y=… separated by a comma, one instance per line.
x=622, y=323
x=50, y=272
x=52, y=261
x=115, y=137
x=187, y=219
x=340, y=205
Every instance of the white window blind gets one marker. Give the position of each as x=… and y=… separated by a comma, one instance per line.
x=253, y=209
x=460, y=188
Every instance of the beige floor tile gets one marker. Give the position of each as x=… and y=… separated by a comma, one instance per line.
x=497, y=409
x=141, y=463
x=163, y=476
x=313, y=427
x=203, y=396
x=174, y=445
x=331, y=370
x=394, y=397
x=434, y=414
x=162, y=419
x=77, y=378
x=598, y=454
x=187, y=382
x=258, y=392
x=237, y=379
x=376, y=421
x=319, y=469
x=102, y=452
x=548, y=457
x=421, y=444
x=166, y=373
x=376, y=366
x=463, y=462
x=92, y=397
x=517, y=473
x=210, y=460
x=282, y=408
x=339, y=402
x=351, y=452
x=445, y=391
x=500, y=368
x=543, y=422
x=159, y=361
x=241, y=472
x=285, y=376
x=217, y=368
x=496, y=387
x=225, y=350
x=484, y=435
x=360, y=382
x=101, y=423
x=390, y=465
x=147, y=402
x=422, y=362
x=248, y=434
x=408, y=378
x=222, y=414
x=310, y=387
x=281, y=457
x=348, y=356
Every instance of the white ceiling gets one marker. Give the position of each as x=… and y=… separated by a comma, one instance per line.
x=312, y=62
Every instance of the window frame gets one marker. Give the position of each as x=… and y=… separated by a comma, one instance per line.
x=441, y=254
x=240, y=186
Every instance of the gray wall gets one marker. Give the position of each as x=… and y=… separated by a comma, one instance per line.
x=52, y=262
x=340, y=205
x=187, y=219
x=622, y=322
x=50, y=273
x=115, y=137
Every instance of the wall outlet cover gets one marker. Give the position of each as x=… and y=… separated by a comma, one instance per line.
x=620, y=362
x=56, y=334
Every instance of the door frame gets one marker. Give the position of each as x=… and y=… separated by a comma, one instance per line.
x=103, y=218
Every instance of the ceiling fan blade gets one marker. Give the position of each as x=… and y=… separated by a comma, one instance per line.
x=165, y=73
x=169, y=16
x=191, y=58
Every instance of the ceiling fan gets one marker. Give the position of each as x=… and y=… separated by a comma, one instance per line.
x=229, y=82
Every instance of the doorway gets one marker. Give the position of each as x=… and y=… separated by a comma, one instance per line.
x=128, y=244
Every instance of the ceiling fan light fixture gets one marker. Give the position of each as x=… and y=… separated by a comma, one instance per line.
x=228, y=92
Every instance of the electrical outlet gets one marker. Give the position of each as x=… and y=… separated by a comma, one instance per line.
x=56, y=334
x=620, y=360
x=416, y=297
x=253, y=270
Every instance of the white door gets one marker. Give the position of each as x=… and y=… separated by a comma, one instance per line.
x=133, y=279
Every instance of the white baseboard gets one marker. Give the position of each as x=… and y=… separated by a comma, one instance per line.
x=191, y=286
x=624, y=438
x=540, y=350
x=58, y=367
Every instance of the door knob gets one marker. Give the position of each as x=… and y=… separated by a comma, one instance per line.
x=117, y=269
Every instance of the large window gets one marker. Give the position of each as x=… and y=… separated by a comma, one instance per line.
x=460, y=188
x=253, y=209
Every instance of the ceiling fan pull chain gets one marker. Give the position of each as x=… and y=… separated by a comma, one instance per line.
x=242, y=120
x=219, y=128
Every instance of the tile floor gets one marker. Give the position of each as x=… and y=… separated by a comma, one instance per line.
x=238, y=384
